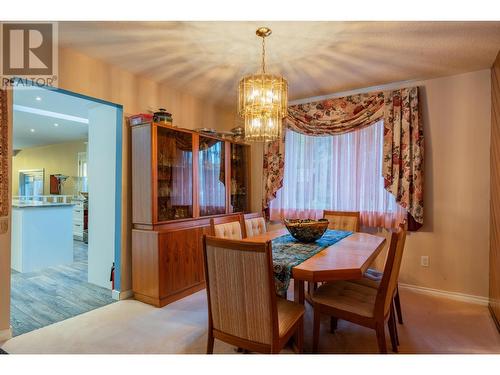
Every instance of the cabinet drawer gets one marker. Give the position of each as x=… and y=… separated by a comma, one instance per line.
x=78, y=227
x=77, y=217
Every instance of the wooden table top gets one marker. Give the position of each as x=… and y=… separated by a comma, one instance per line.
x=347, y=259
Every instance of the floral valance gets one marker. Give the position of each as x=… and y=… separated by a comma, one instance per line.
x=403, y=140
x=336, y=116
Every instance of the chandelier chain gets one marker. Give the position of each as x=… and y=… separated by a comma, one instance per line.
x=263, y=55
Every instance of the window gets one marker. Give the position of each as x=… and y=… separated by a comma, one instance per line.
x=342, y=172
x=82, y=172
x=31, y=182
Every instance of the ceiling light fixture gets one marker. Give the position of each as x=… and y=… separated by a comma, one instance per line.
x=56, y=124
x=38, y=98
x=262, y=100
x=32, y=130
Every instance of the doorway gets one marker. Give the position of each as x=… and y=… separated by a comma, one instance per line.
x=66, y=206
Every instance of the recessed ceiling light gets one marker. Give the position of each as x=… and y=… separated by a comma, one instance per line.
x=32, y=130
x=38, y=98
x=56, y=124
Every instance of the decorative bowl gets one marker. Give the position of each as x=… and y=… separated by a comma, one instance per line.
x=306, y=230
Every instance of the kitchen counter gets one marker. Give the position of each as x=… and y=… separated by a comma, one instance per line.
x=19, y=204
x=42, y=235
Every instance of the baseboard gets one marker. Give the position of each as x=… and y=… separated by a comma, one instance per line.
x=119, y=295
x=446, y=294
x=5, y=334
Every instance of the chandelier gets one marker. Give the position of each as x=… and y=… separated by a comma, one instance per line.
x=262, y=100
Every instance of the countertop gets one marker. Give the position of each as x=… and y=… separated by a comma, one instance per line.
x=28, y=204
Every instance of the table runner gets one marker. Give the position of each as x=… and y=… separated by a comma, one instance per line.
x=288, y=252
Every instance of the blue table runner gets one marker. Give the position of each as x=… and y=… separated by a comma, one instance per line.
x=288, y=252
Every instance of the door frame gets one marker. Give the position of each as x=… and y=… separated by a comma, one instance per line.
x=118, y=174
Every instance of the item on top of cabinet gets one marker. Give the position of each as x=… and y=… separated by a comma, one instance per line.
x=163, y=117
x=225, y=134
x=238, y=133
x=208, y=131
x=238, y=130
x=140, y=118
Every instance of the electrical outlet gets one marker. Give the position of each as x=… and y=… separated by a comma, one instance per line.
x=424, y=261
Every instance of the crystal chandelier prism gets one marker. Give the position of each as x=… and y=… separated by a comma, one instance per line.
x=262, y=100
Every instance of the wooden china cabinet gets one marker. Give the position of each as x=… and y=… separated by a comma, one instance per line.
x=180, y=179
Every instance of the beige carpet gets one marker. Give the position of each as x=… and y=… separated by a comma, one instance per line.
x=432, y=325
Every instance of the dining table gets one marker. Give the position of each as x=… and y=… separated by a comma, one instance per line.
x=347, y=259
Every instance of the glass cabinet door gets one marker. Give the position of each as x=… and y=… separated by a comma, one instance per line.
x=239, y=178
x=175, y=174
x=211, y=177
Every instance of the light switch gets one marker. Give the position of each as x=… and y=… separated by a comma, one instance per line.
x=424, y=261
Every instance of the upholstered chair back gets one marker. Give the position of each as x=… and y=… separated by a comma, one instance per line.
x=229, y=230
x=390, y=276
x=239, y=281
x=343, y=220
x=254, y=224
x=227, y=227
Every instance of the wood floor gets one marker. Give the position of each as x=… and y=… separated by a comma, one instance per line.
x=54, y=294
x=432, y=325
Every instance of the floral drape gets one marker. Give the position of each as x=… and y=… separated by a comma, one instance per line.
x=403, y=164
x=403, y=140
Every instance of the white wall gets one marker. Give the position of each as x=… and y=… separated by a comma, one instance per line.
x=102, y=186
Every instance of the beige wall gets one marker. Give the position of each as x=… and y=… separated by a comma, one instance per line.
x=456, y=114
x=457, y=126
x=60, y=158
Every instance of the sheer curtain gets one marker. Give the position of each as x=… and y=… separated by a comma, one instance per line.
x=211, y=178
x=341, y=172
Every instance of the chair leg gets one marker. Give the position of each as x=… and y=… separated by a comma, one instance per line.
x=210, y=342
x=380, y=330
x=392, y=331
x=395, y=325
x=299, y=337
x=333, y=324
x=316, y=324
x=398, y=306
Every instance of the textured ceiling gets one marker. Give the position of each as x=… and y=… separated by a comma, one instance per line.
x=208, y=58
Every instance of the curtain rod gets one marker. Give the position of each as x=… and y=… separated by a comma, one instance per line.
x=388, y=86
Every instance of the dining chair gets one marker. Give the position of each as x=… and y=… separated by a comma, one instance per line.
x=372, y=278
x=243, y=309
x=338, y=220
x=361, y=304
x=254, y=224
x=343, y=220
x=227, y=227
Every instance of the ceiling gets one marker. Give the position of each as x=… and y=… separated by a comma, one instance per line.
x=208, y=58
x=34, y=119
